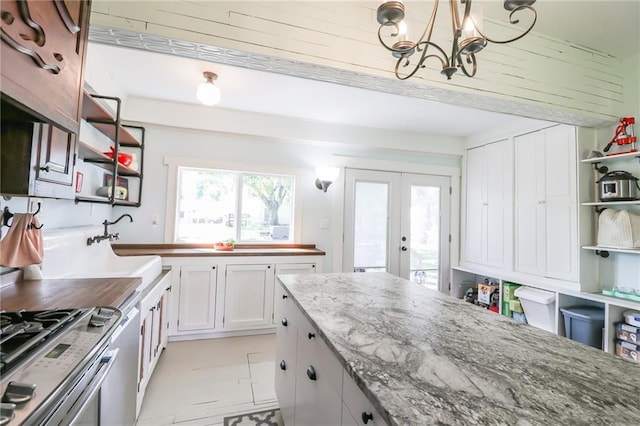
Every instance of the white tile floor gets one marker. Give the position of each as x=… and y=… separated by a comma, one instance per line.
x=200, y=382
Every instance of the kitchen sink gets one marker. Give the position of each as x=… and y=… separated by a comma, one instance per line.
x=67, y=255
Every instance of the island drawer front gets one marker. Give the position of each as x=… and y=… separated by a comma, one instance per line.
x=357, y=406
x=312, y=350
x=283, y=305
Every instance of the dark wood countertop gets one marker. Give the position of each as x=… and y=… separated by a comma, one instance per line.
x=67, y=293
x=206, y=250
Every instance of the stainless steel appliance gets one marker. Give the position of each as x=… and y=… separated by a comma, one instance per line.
x=618, y=185
x=118, y=395
x=53, y=363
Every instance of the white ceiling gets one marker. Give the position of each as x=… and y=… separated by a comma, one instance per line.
x=158, y=76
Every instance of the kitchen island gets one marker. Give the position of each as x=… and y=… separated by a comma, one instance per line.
x=422, y=357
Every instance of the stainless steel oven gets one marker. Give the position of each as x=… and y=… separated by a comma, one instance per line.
x=53, y=364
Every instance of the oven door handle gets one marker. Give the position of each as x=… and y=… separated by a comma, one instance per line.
x=108, y=360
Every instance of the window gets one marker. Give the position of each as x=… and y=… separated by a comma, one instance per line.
x=217, y=205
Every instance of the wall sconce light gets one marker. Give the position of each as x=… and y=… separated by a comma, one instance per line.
x=208, y=93
x=325, y=177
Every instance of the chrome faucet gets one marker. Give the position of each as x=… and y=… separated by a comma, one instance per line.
x=106, y=235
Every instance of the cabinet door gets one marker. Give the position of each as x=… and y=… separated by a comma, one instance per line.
x=358, y=408
x=530, y=211
x=291, y=268
x=248, y=294
x=560, y=203
x=146, y=348
x=37, y=159
x=476, y=209
x=499, y=204
x=55, y=157
x=286, y=341
x=164, y=318
x=196, y=307
x=318, y=402
x=43, y=51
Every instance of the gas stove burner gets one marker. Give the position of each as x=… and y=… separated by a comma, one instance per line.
x=21, y=331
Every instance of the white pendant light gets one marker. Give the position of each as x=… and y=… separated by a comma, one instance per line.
x=208, y=93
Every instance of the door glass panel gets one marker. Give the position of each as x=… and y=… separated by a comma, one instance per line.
x=370, y=227
x=425, y=235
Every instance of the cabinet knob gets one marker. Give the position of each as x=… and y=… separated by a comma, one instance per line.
x=403, y=248
x=366, y=417
x=284, y=322
x=284, y=296
x=311, y=335
x=283, y=365
x=311, y=373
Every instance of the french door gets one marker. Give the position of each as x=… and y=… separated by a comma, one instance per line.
x=398, y=223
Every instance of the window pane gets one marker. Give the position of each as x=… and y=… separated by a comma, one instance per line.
x=267, y=208
x=425, y=235
x=206, y=205
x=371, y=231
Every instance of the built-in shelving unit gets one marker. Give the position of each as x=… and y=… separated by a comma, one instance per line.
x=97, y=114
x=625, y=158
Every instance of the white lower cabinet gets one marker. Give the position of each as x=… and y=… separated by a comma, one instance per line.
x=248, y=297
x=357, y=409
x=223, y=296
x=197, y=297
x=286, y=342
x=153, y=330
x=318, y=391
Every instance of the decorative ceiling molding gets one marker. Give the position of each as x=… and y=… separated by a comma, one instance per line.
x=203, y=52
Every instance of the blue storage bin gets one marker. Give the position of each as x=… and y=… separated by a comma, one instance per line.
x=584, y=324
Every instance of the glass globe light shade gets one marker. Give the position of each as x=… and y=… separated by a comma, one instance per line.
x=208, y=93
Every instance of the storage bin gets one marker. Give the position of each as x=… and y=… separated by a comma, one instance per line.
x=460, y=289
x=507, y=291
x=584, y=324
x=627, y=332
x=539, y=307
x=628, y=351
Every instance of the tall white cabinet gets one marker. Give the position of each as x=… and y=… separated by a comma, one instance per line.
x=489, y=205
x=546, y=226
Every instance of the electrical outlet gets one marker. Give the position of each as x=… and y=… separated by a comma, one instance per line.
x=324, y=223
x=155, y=219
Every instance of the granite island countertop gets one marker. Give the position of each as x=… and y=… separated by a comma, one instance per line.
x=423, y=357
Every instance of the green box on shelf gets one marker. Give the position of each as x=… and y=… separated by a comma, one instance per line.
x=507, y=291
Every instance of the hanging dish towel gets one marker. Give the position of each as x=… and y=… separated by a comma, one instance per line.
x=22, y=245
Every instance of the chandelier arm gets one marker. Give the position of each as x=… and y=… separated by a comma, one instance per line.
x=429, y=27
x=386, y=46
x=513, y=21
x=444, y=60
x=470, y=59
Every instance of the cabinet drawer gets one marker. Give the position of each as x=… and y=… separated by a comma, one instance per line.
x=357, y=405
x=283, y=304
x=313, y=351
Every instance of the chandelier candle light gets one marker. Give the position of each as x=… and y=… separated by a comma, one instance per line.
x=468, y=39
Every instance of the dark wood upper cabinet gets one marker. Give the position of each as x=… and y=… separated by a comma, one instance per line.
x=43, y=52
x=37, y=159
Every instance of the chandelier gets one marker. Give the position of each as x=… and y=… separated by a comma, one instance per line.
x=468, y=40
